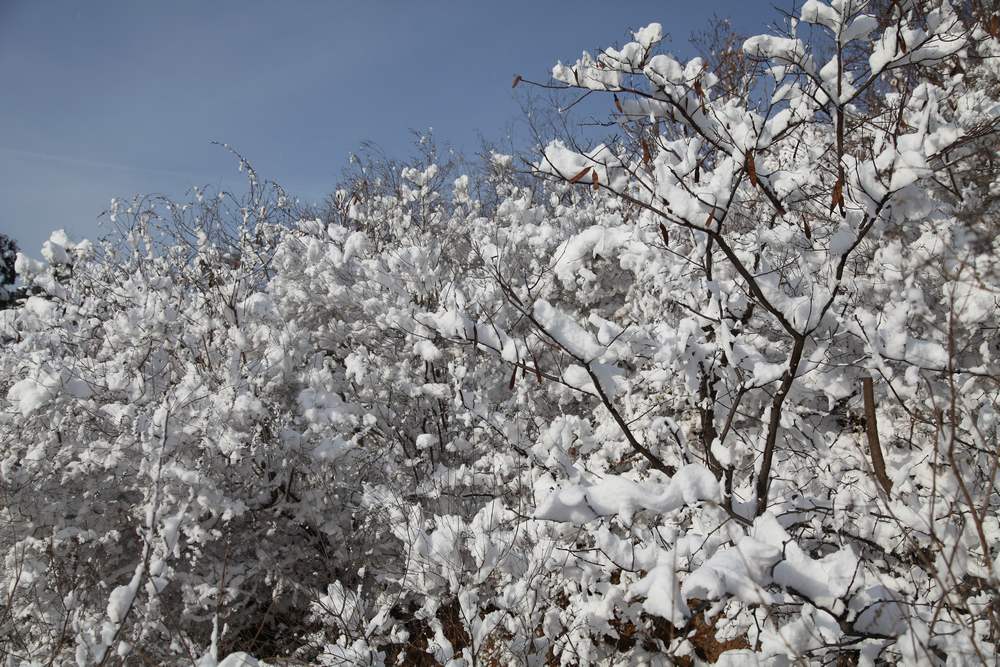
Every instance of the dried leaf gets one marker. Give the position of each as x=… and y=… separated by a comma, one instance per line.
x=711, y=219
x=993, y=26
x=871, y=429
x=700, y=92
x=646, y=157
x=838, y=194
x=663, y=233
x=513, y=378
x=595, y=182
x=751, y=168
x=618, y=105
x=517, y=80
x=580, y=174
x=538, y=372
x=697, y=172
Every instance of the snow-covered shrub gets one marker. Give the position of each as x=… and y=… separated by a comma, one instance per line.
x=8, y=256
x=722, y=388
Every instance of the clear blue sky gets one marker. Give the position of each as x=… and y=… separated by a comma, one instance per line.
x=113, y=98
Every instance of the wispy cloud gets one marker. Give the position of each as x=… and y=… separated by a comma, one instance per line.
x=88, y=162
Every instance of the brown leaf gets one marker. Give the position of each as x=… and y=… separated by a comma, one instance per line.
x=580, y=174
x=751, y=168
x=595, y=182
x=993, y=26
x=663, y=233
x=534, y=362
x=618, y=105
x=838, y=194
x=646, y=157
x=871, y=429
x=711, y=219
x=701, y=93
x=697, y=172
x=517, y=80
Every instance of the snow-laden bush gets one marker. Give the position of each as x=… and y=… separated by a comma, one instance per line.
x=723, y=388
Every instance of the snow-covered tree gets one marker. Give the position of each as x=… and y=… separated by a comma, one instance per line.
x=8, y=255
x=722, y=388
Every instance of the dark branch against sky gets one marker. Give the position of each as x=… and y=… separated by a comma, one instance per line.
x=105, y=99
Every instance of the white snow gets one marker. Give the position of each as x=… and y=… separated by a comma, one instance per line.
x=618, y=495
x=573, y=337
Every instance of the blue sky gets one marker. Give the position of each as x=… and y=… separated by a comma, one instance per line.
x=114, y=98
